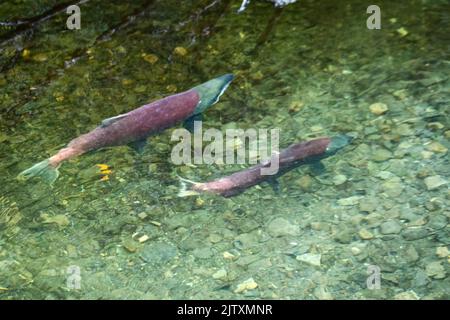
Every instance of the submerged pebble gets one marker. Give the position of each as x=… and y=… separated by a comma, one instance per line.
x=310, y=258
x=150, y=58
x=442, y=252
x=407, y=295
x=40, y=57
x=435, y=270
x=214, y=238
x=365, y=234
x=142, y=215
x=322, y=293
x=339, y=179
x=220, y=274
x=378, y=108
x=390, y=227
x=411, y=254
x=392, y=188
x=350, y=201
x=130, y=245
x=345, y=235
x=434, y=182
x=60, y=219
x=248, y=284
x=279, y=227
x=381, y=154
x=436, y=147
x=181, y=51
x=229, y=256
x=435, y=126
x=437, y=222
x=305, y=182
x=414, y=233
x=143, y=238
x=368, y=204
x=158, y=253
x=202, y=253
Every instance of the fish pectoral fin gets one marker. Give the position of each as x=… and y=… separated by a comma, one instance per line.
x=138, y=145
x=275, y=184
x=318, y=168
x=110, y=121
x=188, y=124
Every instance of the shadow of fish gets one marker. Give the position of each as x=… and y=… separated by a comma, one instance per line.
x=134, y=127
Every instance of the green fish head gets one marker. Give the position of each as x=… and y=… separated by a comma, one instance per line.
x=337, y=143
x=210, y=91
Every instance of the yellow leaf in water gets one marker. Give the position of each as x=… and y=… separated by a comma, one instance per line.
x=180, y=51
x=171, y=88
x=26, y=54
x=199, y=202
x=102, y=166
x=40, y=57
x=402, y=32
x=151, y=58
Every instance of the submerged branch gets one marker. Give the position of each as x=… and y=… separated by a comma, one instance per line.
x=80, y=52
x=270, y=27
x=126, y=21
x=25, y=25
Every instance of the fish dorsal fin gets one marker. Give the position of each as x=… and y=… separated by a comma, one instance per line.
x=110, y=121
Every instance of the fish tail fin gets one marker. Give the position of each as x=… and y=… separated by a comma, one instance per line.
x=43, y=169
x=186, y=188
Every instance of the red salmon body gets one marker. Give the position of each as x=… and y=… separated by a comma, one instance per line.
x=288, y=159
x=134, y=127
x=139, y=123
